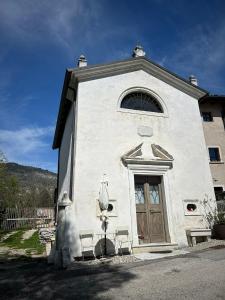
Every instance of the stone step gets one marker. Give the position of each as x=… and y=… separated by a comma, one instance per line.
x=154, y=248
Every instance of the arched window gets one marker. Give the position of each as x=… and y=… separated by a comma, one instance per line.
x=141, y=101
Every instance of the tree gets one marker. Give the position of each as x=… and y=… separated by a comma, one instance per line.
x=9, y=191
x=3, y=158
x=44, y=198
x=9, y=188
x=14, y=194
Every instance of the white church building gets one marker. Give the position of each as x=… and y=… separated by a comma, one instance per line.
x=136, y=126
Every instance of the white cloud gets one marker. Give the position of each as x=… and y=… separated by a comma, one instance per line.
x=28, y=146
x=202, y=53
x=25, y=140
x=13, y=107
x=59, y=21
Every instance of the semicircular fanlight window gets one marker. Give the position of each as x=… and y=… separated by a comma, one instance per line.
x=141, y=101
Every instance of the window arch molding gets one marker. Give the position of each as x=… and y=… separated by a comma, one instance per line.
x=142, y=112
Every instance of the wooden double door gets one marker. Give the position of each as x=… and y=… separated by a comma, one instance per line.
x=150, y=210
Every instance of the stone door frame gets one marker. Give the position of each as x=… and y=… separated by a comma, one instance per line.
x=150, y=170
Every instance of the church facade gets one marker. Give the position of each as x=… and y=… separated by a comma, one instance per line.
x=137, y=126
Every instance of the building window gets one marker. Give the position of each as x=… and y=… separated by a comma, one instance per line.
x=207, y=117
x=214, y=154
x=219, y=193
x=141, y=101
x=220, y=196
x=223, y=118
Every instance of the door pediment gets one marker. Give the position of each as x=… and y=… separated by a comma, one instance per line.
x=147, y=153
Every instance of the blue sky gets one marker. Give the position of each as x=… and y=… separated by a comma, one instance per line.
x=39, y=39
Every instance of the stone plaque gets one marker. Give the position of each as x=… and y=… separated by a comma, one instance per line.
x=145, y=131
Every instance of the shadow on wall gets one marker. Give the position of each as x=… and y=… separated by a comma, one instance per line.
x=20, y=279
x=67, y=238
x=105, y=244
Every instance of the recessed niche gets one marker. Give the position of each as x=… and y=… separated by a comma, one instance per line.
x=191, y=207
x=110, y=207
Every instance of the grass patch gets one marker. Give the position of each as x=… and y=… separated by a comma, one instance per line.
x=3, y=233
x=32, y=245
x=14, y=240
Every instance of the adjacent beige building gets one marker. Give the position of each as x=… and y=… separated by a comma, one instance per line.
x=213, y=118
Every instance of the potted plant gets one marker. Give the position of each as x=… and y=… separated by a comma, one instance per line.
x=219, y=225
x=215, y=217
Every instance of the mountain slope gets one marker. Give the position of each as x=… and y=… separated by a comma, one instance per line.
x=29, y=177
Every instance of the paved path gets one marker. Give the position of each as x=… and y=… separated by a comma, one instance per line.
x=156, y=255
x=191, y=276
x=28, y=234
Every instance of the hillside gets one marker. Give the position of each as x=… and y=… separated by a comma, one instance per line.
x=29, y=177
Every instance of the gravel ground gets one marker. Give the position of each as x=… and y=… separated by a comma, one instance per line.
x=114, y=260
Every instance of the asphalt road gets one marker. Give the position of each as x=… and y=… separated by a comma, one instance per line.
x=192, y=276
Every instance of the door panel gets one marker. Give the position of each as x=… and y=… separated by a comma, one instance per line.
x=142, y=222
x=149, y=209
x=156, y=227
x=142, y=228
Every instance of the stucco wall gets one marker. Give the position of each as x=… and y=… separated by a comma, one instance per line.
x=65, y=157
x=104, y=134
x=215, y=136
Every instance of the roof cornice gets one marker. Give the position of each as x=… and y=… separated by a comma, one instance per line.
x=212, y=98
x=135, y=64
x=64, y=108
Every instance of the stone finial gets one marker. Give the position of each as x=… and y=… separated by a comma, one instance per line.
x=65, y=200
x=82, y=62
x=138, y=51
x=193, y=80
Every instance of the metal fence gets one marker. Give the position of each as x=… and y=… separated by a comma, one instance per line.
x=29, y=217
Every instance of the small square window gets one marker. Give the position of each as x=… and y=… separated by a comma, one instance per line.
x=207, y=117
x=214, y=154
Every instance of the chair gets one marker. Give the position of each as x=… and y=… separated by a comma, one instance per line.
x=122, y=238
x=87, y=242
